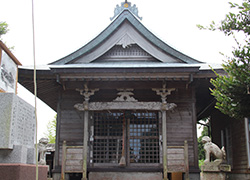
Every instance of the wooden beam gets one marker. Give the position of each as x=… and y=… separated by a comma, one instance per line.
x=121, y=105
x=4, y=47
x=135, y=84
x=95, y=106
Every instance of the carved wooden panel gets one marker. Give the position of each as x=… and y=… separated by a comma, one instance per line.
x=131, y=52
x=96, y=106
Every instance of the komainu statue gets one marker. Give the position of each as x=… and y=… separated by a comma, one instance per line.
x=212, y=149
x=42, y=147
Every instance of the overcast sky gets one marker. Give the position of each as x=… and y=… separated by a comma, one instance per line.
x=63, y=26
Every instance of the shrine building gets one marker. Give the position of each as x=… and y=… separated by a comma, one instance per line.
x=127, y=105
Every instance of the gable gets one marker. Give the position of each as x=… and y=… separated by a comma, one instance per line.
x=126, y=44
x=126, y=30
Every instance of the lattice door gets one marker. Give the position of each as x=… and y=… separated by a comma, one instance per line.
x=140, y=138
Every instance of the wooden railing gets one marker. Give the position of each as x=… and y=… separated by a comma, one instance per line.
x=177, y=157
x=72, y=159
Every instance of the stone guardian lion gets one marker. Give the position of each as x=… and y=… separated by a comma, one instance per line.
x=43, y=142
x=212, y=149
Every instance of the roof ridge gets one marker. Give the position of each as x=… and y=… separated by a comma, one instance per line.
x=125, y=6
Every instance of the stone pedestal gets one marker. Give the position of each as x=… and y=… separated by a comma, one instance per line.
x=22, y=172
x=214, y=170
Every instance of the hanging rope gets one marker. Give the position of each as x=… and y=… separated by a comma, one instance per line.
x=35, y=84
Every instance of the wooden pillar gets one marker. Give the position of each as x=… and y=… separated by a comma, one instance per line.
x=195, y=144
x=164, y=92
x=186, y=160
x=86, y=92
x=58, y=124
x=164, y=144
x=64, y=154
x=85, y=144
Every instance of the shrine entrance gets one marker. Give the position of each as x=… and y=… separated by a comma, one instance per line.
x=126, y=133
x=125, y=138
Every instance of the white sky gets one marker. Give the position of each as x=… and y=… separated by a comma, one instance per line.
x=63, y=26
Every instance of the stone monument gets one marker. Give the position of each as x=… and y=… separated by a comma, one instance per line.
x=17, y=139
x=218, y=168
x=18, y=126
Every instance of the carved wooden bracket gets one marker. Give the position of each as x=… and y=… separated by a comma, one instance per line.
x=124, y=101
x=86, y=92
x=163, y=92
x=125, y=95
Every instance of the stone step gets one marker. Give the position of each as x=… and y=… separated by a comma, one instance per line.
x=125, y=176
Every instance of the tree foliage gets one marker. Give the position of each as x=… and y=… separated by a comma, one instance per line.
x=201, y=152
x=51, y=130
x=205, y=132
x=3, y=28
x=232, y=90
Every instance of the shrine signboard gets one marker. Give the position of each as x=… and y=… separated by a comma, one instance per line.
x=8, y=70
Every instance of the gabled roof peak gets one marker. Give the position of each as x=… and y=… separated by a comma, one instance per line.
x=126, y=5
x=125, y=30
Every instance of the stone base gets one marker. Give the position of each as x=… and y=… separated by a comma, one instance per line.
x=18, y=155
x=194, y=176
x=124, y=176
x=241, y=176
x=57, y=176
x=213, y=175
x=213, y=167
x=214, y=170
x=22, y=172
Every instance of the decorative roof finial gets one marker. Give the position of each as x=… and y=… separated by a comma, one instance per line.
x=125, y=5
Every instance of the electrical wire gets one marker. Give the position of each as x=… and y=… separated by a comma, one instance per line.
x=35, y=83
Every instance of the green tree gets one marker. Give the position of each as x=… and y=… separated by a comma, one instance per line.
x=205, y=125
x=3, y=28
x=51, y=130
x=232, y=90
x=201, y=152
